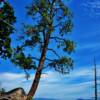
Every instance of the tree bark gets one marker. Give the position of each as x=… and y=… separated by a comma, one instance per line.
x=39, y=70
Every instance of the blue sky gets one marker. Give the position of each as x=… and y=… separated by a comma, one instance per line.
x=79, y=83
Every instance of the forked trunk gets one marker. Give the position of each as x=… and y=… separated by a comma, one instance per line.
x=39, y=71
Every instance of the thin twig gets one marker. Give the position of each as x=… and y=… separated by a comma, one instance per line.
x=58, y=38
x=7, y=23
x=54, y=52
x=39, y=59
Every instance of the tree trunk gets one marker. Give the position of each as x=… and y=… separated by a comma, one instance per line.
x=39, y=71
x=34, y=85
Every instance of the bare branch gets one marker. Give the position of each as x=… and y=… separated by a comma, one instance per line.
x=63, y=72
x=49, y=59
x=35, y=58
x=49, y=1
x=7, y=23
x=41, y=42
x=39, y=59
x=27, y=74
x=58, y=38
x=44, y=35
x=57, y=25
x=54, y=52
x=53, y=2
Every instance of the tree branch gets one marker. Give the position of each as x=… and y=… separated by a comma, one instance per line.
x=44, y=35
x=49, y=1
x=39, y=59
x=53, y=2
x=63, y=72
x=27, y=74
x=7, y=23
x=58, y=38
x=35, y=58
x=54, y=52
x=57, y=25
x=49, y=59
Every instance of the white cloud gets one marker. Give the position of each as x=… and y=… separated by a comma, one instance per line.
x=92, y=7
x=51, y=76
x=11, y=76
x=89, y=46
x=65, y=91
x=92, y=4
x=54, y=84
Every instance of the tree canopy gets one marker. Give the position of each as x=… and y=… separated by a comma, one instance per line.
x=52, y=20
x=7, y=19
x=44, y=43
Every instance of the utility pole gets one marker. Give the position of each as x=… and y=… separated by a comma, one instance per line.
x=95, y=79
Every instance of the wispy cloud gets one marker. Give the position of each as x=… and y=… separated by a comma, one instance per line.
x=11, y=76
x=54, y=84
x=60, y=86
x=88, y=46
x=92, y=7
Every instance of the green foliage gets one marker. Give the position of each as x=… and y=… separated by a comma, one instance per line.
x=52, y=20
x=67, y=45
x=7, y=19
x=25, y=62
x=62, y=65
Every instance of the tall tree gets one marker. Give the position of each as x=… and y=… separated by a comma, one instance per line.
x=7, y=19
x=52, y=22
